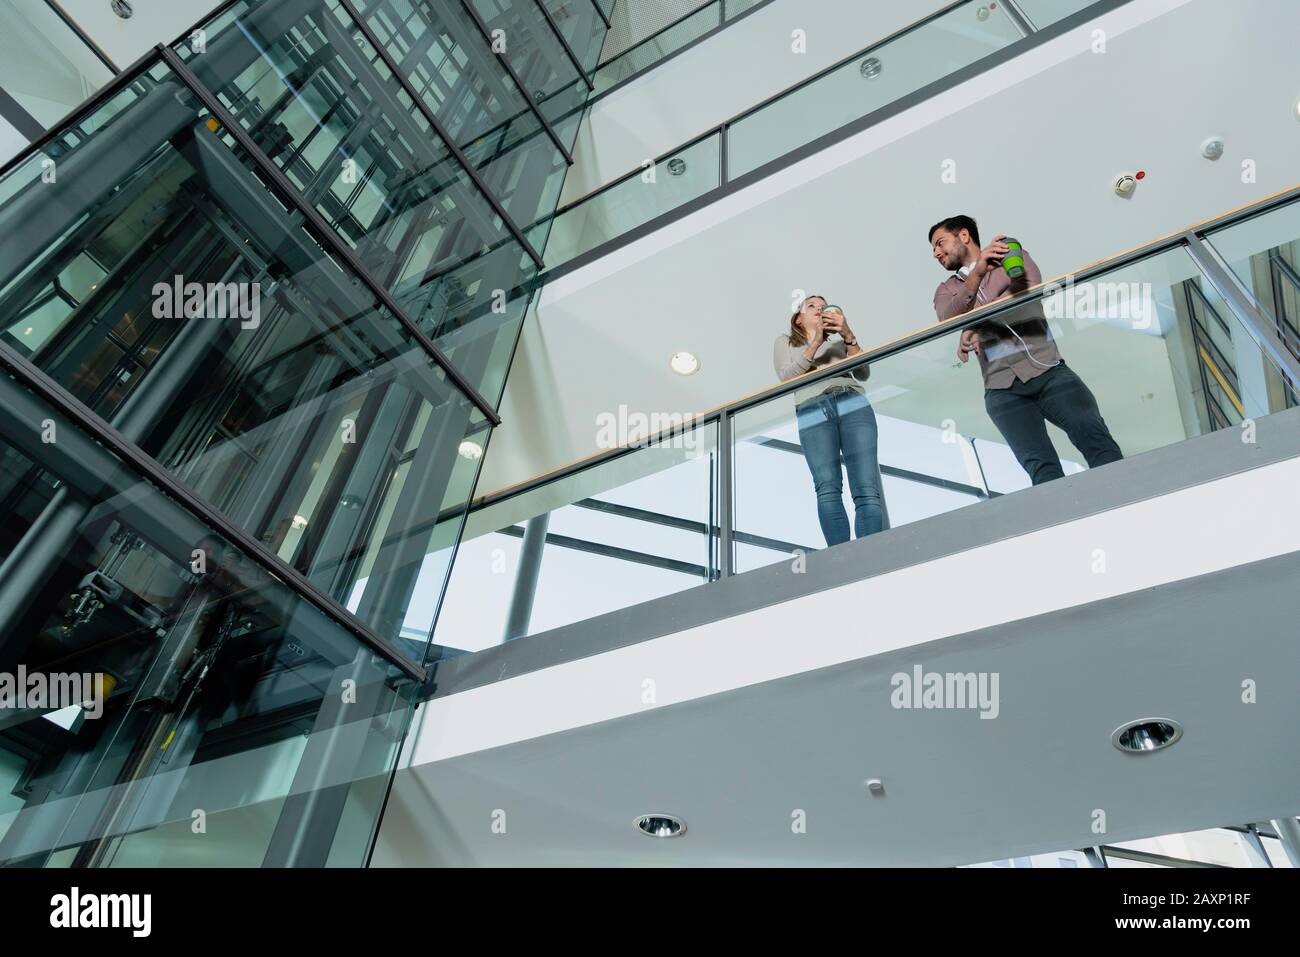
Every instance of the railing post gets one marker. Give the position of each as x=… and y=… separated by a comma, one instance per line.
x=1019, y=17
x=530, y=569
x=1257, y=323
x=726, y=500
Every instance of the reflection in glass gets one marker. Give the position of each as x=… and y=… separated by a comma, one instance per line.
x=161, y=284
x=634, y=528
x=208, y=684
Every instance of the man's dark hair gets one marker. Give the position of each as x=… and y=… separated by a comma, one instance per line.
x=954, y=225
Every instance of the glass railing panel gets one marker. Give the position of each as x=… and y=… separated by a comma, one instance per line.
x=1264, y=254
x=904, y=64
x=886, y=73
x=670, y=183
x=921, y=415
x=190, y=678
x=624, y=531
x=653, y=49
x=160, y=283
x=44, y=65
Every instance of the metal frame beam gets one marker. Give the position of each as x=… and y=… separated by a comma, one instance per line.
x=53, y=395
x=470, y=170
x=568, y=50
x=321, y=229
x=519, y=84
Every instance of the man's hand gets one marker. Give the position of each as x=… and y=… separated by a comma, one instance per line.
x=968, y=342
x=991, y=255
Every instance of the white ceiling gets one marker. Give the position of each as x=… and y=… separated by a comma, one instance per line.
x=1035, y=142
x=959, y=789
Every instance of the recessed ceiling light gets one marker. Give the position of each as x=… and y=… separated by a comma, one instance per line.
x=660, y=825
x=1146, y=734
x=1297, y=108
x=871, y=67
x=470, y=450
x=684, y=363
x=299, y=521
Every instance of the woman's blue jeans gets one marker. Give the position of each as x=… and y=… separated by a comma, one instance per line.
x=835, y=425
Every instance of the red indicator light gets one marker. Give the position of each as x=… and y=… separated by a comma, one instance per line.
x=1142, y=174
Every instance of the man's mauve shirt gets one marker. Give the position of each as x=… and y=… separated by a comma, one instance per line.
x=1003, y=358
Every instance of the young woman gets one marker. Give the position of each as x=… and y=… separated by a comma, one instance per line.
x=835, y=419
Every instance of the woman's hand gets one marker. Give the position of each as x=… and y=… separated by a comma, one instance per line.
x=835, y=321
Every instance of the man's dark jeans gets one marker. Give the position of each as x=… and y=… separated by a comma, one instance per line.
x=1022, y=410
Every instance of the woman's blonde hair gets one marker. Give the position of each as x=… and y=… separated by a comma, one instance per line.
x=796, y=335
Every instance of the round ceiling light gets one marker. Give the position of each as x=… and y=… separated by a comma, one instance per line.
x=684, y=363
x=470, y=450
x=660, y=825
x=1146, y=735
x=871, y=67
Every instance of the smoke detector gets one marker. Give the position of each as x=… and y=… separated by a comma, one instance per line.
x=1125, y=184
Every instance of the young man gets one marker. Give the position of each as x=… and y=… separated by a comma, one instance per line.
x=1026, y=383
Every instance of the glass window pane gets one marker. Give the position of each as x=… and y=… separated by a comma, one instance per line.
x=44, y=65
x=616, y=534
x=179, y=674
x=229, y=345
